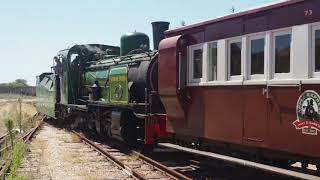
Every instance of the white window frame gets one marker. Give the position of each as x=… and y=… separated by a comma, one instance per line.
x=313, y=50
x=273, y=58
x=191, y=50
x=208, y=58
x=257, y=76
x=235, y=77
x=297, y=72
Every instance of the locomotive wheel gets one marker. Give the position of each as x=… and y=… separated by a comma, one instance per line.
x=77, y=122
x=128, y=129
x=97, y=126
x=107, y=125
x=128, y=133
x=108, y=130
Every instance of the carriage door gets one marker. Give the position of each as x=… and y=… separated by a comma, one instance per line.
x=255, y=117
x=255, y=101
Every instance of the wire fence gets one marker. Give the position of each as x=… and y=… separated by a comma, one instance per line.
x=28, y=91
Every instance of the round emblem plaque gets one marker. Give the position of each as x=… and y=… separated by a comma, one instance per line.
x=308, y=117
x=118, y=92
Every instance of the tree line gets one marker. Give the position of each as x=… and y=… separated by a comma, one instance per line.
x=16, y=83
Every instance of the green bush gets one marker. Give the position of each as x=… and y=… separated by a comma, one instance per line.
x=16, y=157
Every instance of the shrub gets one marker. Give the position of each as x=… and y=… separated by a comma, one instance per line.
x=16, y=157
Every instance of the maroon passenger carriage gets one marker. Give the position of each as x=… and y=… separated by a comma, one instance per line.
x=247, y=84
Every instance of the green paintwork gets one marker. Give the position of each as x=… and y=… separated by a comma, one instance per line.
x=118, y=77
x=75, y=84
x=69, y=83
x=97, y=75
x=64, y=83
x=133, y=41
x=46, y=95
x=111, y=69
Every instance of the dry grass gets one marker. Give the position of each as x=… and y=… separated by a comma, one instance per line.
x=11, y=109
x=75, y=138
x=133, y=157
x=28, y=109
x=9, y=96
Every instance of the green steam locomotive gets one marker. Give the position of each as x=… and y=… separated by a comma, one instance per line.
x=107, y=89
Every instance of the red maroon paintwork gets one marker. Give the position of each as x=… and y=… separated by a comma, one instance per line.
x=168, y=79
x=155, y=127
x=285, y=14
x=240, y=115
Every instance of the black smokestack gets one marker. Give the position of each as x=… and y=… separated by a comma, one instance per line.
x=158, y=29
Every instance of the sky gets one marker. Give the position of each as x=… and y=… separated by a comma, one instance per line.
x=33, y=31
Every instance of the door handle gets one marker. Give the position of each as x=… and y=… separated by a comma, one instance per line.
x=266, y=92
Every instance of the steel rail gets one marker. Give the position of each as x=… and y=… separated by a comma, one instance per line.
x=31, y=133
x=244, y=163
x=109, y=156
x=136, y=174
x=27, y=137
x=161, y=167
x=4, y=135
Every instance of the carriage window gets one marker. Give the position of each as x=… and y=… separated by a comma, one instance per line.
x=197, y=63
x=213, y=52
x=257, y=56
x=317, y=51
x=235, y=58
x=282, y=53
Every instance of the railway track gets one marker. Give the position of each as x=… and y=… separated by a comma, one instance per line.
x=166, y=163
x=209, y=165
x=57, y=153
x=169, y=163
x=26, y=138
x=133, y=162
x=2, y=138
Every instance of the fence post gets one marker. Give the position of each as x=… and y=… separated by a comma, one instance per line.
x=20, y=115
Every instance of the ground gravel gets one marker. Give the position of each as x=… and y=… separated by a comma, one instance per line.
x=58, y=154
